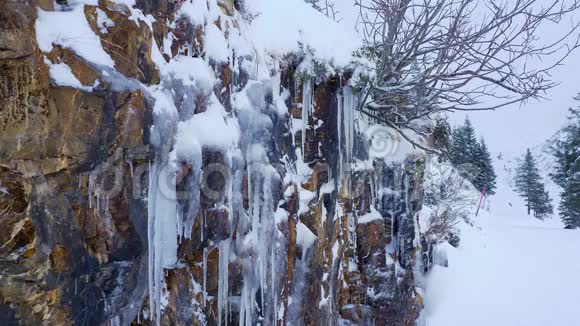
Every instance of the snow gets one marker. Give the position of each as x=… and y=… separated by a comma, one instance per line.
x=62, y=75
x=304, y=236
x=388, y=144
x=374, y=215
x=103, y=21
x=282, y=26
x=508, y=270
x=212, y=129
x=163, y=103
x=305, y=197
x=215, y=44
x=71, y=30
x=191, y=72
x=136, y=14
x=198, y=12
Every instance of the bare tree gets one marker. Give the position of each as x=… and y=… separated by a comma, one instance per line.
x=448, y=197
x=327, y=7
x=447, y=193
x=431, y=56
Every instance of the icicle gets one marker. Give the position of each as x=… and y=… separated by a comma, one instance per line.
x=255, y=209
x=162, y=232
x=248, y=156
x=107, y=205
x=263, y=238
x=347, y=134
x=339, y=123
x=204, y=276
x=346, y=102
x=150, y=236
x=406, y=194
x=91, y=182
x=273, y=281
x=306, y=107
x=224, y=254
x=202, y=225
x=189, y=217
x=246, y=303
x=98, y=201
x=348, y=107
x=223, y=286
x=130, y=166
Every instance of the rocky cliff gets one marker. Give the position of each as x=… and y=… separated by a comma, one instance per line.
x=158, y=168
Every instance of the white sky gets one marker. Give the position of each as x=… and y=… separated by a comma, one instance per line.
x=512, y=129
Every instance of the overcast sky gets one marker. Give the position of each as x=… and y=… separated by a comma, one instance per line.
x=512, y=129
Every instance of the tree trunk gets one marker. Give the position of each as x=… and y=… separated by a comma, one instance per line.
x=529, y=206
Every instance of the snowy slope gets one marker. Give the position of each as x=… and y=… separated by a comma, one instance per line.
x=507, y=202
x=507, y=271
x=510, y=269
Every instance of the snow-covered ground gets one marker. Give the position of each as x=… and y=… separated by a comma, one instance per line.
x=509, y=270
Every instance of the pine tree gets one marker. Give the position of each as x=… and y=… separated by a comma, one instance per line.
x=567, y=172
x=441, y=135
x=570, y=203
x=471, y=144
x=463, y=144
x=485, y=173
x=472, y=157
x=457, y=147
x=542, y=204
x=529, y=185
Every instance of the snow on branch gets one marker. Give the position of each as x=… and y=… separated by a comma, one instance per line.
x=447, y=55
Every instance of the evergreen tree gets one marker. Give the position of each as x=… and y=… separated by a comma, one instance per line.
x=485, y=172
x=441, y=135
x=567, y=172
x=471, y=144
x=472, y=157
x=529, y=185
x=463, y=144
x=457, y=147
x=570, y=203
x=542, y=203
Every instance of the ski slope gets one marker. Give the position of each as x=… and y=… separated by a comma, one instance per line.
x=509, y=270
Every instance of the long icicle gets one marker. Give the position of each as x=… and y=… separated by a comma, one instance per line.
x=150, y=235
x=306, y=107
x=339, y=123
x=224, y=252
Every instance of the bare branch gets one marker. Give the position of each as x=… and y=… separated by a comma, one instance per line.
x=434, y=56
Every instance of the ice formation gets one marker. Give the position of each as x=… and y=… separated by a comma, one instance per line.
x=194, y=114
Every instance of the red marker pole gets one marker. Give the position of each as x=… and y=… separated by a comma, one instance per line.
x=480, y=200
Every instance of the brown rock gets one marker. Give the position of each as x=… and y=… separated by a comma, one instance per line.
x=16, y=24
x=128, y=42
x=227, y=6
x=86, y=74
x=59, y=259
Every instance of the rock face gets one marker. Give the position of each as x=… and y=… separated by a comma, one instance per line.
x=320, y=233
